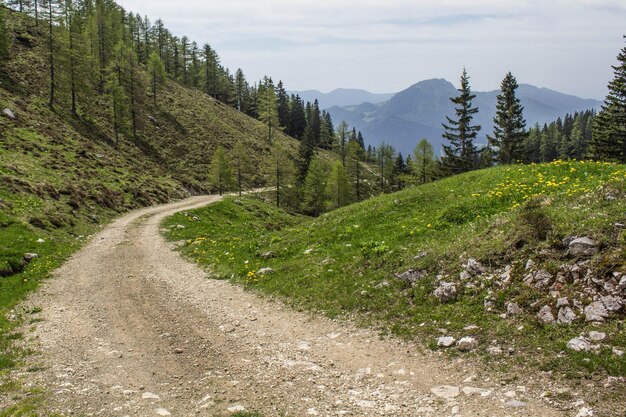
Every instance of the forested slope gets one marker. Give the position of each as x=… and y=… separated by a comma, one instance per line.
x=63, y=174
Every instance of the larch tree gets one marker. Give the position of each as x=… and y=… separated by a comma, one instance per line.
x=268, y=107
x=239, y=161
x=314, y=188
x=424, y=165
x=338, y=187
x=508, y=130
x=280, y=171
x=342, y=140
x=609, y=130
x=460, y=153
x=156, y=69
x=355, y=169
x=220, y=175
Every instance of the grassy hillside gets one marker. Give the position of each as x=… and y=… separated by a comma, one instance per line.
x=61, y=176
x=346, y=263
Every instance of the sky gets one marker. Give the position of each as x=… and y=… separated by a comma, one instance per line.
x=385, y=46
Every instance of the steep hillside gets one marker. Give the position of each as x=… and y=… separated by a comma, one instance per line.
x=487, y=255
x=419, y=111
x=61, y=176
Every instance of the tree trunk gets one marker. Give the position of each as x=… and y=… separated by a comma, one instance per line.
x=51, y=50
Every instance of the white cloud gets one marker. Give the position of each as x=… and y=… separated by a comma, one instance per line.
x=388, y=45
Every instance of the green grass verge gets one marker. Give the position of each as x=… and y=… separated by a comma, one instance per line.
x=343, y=263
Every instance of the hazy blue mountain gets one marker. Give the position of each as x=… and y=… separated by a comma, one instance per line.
x=419, y=111
x=341, y=97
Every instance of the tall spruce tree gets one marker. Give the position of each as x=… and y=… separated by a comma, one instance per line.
x=460, y=154
x=306, y=152
x=508, y=130
x=609, y=130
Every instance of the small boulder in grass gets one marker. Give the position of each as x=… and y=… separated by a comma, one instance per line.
x=596, y=311
x=9, y=113
x=583, y=246
x=265, y=271
x=467, y=344
x=546, y=316
x=513, y=309
x=445, y=292
x=579, y=344
x=446, y=341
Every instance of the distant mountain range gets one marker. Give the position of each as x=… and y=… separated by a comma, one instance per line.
x=341, y=97
x=419, y=111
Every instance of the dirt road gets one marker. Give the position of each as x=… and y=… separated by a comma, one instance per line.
x=131, y=329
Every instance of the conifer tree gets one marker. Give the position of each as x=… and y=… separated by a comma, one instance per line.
x=241, y=91
x=268, y=107
x=327, y=131
x=385, y=166
x=609, y=130
x=156, y=69
x=52, y=14
x=425, y=163
x=338, y=187
x=306, y=152
x=280, y=170
x=342, y=140
x=297, y=117
x=460, y=154
x=220, y=177
x=282, y=105
x=238, y=156
x=508, y=131
x=355, y=170
x=314, y=189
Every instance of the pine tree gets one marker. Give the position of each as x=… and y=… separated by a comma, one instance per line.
x=220, y=177
x=156, y=69
x=425, y=163
x=338, y=187
x=460, y=154
x=509, y=124
x=314, y=189
x=609, y=130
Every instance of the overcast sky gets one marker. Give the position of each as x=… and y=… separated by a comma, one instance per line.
x=388, y=45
